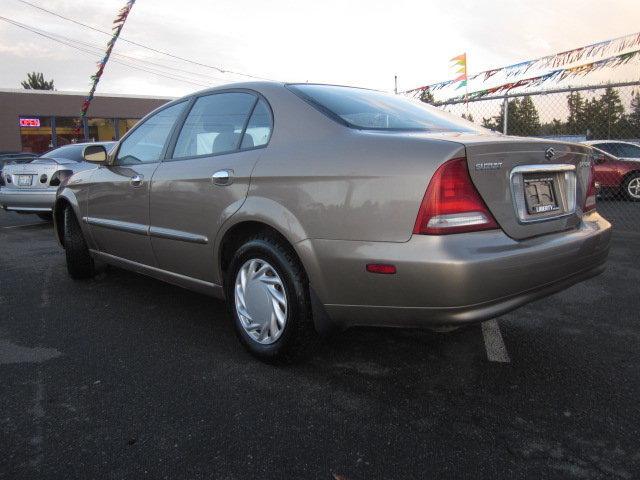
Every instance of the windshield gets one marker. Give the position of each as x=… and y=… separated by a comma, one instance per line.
x=371, y=109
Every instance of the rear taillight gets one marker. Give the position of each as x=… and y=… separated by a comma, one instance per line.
x=61, y=177
x=452, y=204
x=55, y=179
x=592, y=193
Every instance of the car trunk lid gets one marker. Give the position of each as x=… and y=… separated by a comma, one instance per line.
x=532, y=187
x=28, y=176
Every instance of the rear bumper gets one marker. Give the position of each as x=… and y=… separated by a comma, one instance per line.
x=27, y=200
x=448, y=280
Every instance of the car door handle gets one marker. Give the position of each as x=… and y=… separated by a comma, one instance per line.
x=136, y=180
x=222, y=177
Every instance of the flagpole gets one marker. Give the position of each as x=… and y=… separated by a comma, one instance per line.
x=466, y=86
x=118, y=23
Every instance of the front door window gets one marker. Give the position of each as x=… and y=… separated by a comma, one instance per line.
x=147, y=142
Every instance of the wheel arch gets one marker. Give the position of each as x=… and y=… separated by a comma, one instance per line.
x=245, y=226
x=233, y=237
x=629, y=174
x=64, y=198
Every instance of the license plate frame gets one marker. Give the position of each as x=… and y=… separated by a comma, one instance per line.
x=25, y=180
x=540, y=194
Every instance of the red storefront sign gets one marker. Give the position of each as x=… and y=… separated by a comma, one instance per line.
x=30, y=122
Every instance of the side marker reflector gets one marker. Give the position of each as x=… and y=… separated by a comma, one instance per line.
x=381, y=268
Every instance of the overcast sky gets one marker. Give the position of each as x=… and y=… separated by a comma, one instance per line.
x=360, y=43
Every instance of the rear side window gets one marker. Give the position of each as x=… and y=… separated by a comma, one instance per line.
x=608, y=147
x=374, y=110
x=72, y=152
x=146, y=143
x=630, y=151
x=214, y=124
x=259, y=127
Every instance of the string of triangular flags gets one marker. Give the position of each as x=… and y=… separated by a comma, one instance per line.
x=557, y=74
x=118, y=23
x=617, y=44
x=460, y=62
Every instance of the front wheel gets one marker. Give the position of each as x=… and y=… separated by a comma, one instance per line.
x=79, y=262
x=631, y=187
x=268, y=296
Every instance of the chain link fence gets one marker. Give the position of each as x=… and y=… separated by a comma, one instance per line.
x=606, y=117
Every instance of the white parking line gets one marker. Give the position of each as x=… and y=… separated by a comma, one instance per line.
x=25, y=225
x=496, y=349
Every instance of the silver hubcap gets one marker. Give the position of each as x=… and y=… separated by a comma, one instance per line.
x=261, y=301
x=634, y=187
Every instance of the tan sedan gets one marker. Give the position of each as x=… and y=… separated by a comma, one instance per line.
x=315, y=207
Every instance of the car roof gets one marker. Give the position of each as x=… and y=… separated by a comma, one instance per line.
x=258, y=85
x=593, y=142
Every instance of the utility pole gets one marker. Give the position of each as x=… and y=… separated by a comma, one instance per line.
x=395, y=81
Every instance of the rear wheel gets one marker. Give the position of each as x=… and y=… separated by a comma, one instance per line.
x=631, y=187
x=268, y=296
x=79, y=261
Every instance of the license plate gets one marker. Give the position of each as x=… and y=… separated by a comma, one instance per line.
x=540, y=195
x=24, y=180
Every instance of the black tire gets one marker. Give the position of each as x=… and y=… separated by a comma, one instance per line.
x=46, y=216
x=445, y=329
x=79, y=262
x=299, y=337
x=634, y=177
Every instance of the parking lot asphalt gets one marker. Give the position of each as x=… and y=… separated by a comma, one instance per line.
x=123, y=376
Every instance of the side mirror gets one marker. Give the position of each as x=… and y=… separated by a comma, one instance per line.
x=599, y=158
x=95, y=153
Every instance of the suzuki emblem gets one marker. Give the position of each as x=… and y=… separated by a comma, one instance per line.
x=549, y=153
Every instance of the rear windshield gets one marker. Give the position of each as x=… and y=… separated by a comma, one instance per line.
x=374, y=110
x=72, y=152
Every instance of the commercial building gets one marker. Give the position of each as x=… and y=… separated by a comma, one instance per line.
x=38, y=120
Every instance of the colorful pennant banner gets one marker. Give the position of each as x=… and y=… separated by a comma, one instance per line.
x=118, y=23
x=557, y=74
x=460, y=64
x=554, y=61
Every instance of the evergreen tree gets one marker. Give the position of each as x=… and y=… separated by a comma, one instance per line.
x=554, y=128
x=527, y=120
x=497, y=122
x=522, y=118
x=36, y=81
x=593, y=119
x=613, y=111
x=604, y=117
x=633, y=118
x=427, y=97
x=576, y=120
x=467, y=116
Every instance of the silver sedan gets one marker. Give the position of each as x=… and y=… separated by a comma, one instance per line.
x=31, y=187
x=315, y=207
